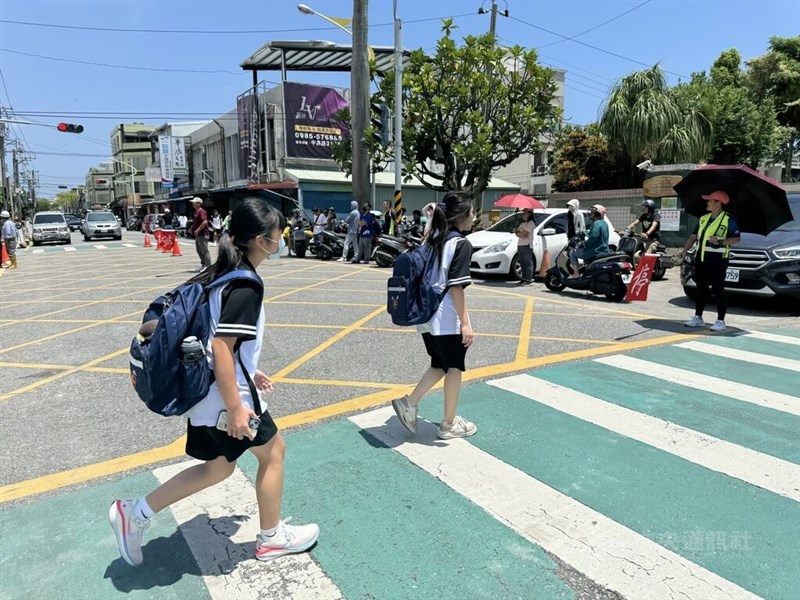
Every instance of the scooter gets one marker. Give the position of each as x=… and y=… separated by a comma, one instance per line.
x=634, y=245
x=389, y=247
x=331, y=245
x=299, y=241
x=608, y=274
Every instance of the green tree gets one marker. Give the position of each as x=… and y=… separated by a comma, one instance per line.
x=582, y=161
x=43, y=204
x=467, y=111
x=642, y=120
x=775, y=78
x=67, y=202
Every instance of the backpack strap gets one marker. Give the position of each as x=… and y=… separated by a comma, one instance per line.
x=248, y=275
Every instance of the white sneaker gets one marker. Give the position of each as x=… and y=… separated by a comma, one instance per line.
x=458, y=429
x=718, y=326
x=406, y=412
x=289, y=539
x=128, y=530
x=340, y=259
x=695, y=321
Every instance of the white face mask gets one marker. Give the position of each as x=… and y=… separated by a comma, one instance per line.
x=281, y=245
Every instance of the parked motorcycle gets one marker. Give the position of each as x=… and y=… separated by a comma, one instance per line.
x=299, y=241
x=389, y=247
x=634, y=245
x=608, y=274
x=331, y=245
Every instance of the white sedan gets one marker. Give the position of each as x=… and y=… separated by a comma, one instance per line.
x=495, y=249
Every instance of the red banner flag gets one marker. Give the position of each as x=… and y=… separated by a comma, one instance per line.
x=637, y=288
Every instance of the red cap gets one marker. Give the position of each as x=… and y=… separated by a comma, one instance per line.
x=719, y=196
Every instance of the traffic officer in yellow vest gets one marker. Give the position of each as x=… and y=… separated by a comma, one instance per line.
x=715, y=233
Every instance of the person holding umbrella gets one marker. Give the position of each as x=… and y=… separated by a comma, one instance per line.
x=524, y=247
x=715, y=233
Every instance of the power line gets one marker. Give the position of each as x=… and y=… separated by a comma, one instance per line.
x=598, y=26
x=97, y=64
x=215, y=32
x=11, y=107
x=566, y=37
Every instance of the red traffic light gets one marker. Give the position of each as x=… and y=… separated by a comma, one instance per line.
x=69, y=128
x=101, y=181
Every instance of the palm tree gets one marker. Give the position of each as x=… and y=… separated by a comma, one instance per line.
x=641, y=120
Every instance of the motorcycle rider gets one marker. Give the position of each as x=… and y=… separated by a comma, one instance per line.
x=651, y=227
x=596, y=241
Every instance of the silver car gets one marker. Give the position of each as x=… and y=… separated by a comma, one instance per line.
x=101, y=224
x=50, y=226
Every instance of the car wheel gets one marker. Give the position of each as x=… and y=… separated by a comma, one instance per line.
x=87, y=239
x=67, y=242
x=117, y=237
x=553, y=283
x=35, y=243
x=690, y=292
x=515, y=272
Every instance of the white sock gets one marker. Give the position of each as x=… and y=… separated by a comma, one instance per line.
x=142, y=510
x=265, y=533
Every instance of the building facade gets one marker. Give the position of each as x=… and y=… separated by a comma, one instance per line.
x=99, y=186
x=132, y=154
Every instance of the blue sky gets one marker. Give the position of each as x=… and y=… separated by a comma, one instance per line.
x=685, y=36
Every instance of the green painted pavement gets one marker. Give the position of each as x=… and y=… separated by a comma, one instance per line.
x=763, y=376
x=769, y=431
x=63, y=547
x=391, y=531
x=743, y=533
x=751, y=344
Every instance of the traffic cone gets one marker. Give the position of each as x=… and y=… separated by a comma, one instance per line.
x=5, y=258
x=176, y=249
x=147, y=243
x=543, y=268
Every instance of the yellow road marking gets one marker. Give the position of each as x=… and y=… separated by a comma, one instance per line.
x=63, y=333
x=49, y=367
x=55, y=481
x=308, y=287
x=525, y=331
x=9, y=321
x=61, y=375
x=568, y=303
x=339, y=383
x=327, y=343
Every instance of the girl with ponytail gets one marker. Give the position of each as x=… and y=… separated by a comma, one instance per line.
x=234, y=348
x=449, y=333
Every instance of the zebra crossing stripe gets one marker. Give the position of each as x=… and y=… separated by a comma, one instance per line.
x=129, y=246
x=220, y=525
x=38, y=251
x=70, y=249
x=101, y=247
x=753, y=467
x=607, y=552
x=743, y=355
x=774, y=337
x=731, y=389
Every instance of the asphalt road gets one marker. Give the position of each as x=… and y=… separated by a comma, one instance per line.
x=67, y=318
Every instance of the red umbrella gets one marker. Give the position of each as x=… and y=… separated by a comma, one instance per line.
x=518, y=201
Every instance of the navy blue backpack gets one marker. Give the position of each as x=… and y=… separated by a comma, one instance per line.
x=412, y=300
x=166, y=384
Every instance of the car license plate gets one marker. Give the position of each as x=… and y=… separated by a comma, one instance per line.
x=626, y=279
x=732, y=276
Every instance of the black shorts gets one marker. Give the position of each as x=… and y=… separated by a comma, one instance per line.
x=209, y=443
x=446, y=351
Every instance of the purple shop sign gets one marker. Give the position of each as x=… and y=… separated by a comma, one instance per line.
x=311, y=129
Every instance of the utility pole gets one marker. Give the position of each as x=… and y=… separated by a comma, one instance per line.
x=3, y=181
x=15, y=189
x=359, y=102
x=398, y=114
x=493, y=21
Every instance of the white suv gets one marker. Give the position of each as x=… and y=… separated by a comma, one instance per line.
x=50, y=227
x=495, y=249
x=100, y=224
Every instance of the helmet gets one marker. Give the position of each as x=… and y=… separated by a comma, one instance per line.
x=331, y=209
x=5, y=215
x=649, y=204
x=575, y=204
x=600, y=209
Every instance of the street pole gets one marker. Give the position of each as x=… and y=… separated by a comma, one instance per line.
x=398, y=114
x=3, y=182
x=493, y=21
x=15, y=190
x=359, y=102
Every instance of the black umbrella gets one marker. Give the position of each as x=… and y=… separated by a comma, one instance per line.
x=758, y=203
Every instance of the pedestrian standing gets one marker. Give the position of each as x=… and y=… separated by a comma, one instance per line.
x=237, y=320
x=366, y=223
x=715, y=233
x=389, y=218
x=576, y=223
x=9, y=236
x=448, y=335
x=200, y=232
x=351, y=236
x=216, y=226
x=320, y=220
x=524, y=249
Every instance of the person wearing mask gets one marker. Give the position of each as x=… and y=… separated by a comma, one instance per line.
x=715, y=233
x=9, y=235
x=389, y=218
x=367, y=223
x=650, y=220
x=576, y=222
x=351, y=236
x=596, y=242
x=524, y=234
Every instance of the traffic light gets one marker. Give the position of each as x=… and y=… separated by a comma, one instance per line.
x=381, y=122
x=101, y=181
x=69, y=128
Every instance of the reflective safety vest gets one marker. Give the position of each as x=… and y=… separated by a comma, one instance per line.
x=718, y=227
